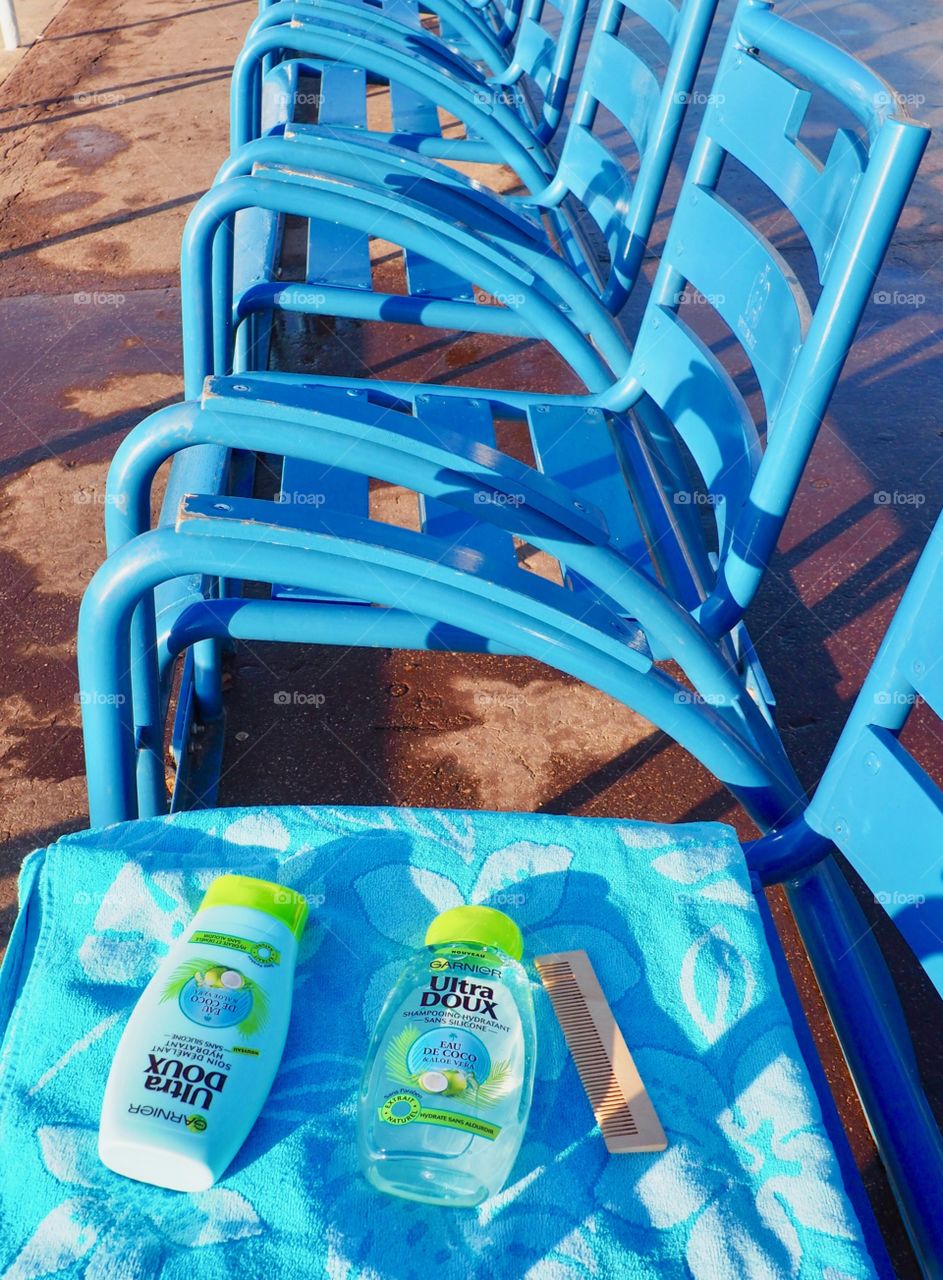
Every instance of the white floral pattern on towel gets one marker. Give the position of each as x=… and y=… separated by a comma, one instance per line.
x=748, y=1188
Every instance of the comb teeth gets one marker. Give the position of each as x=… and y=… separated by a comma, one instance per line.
x=622, y=1108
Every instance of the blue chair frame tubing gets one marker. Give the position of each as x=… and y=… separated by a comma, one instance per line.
x=865, y=1011
x=481, y=41
x=481, y=27
x=347, y=43
x=314, y=561
x=355, y=441
x=510, y=139
x=435, y=211
x=207, y=312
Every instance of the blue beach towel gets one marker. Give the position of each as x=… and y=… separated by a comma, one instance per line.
x=749, y=1186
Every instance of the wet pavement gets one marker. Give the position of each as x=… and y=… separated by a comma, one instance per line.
x=111, y=126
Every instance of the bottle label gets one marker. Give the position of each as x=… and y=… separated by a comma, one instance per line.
x=403, y=1108
x=260, y=953
x=182, y=1077
x=452, y=1057
x=215, y=995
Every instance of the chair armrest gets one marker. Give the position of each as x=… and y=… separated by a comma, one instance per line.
x=469, y=255
x=480, y=107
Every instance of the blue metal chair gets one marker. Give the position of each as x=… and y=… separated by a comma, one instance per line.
x=275, y=88
x=620, y=108
x=427, y=71
x=338, y=255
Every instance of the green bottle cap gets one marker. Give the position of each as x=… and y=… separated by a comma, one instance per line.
x=260, y=895
x=484, y=925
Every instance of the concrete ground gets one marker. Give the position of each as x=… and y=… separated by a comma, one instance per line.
x=112, y=124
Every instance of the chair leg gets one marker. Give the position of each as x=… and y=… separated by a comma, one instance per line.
x=865, y=1010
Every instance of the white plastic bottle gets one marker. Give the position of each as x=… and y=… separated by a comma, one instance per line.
x=199, y=1053
x=449, y=1075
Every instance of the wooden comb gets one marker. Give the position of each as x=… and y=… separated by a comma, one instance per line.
x=622, y=1108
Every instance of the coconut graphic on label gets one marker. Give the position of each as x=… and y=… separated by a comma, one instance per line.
x=214, y=995
x=432, y=1082
x=458, y=1083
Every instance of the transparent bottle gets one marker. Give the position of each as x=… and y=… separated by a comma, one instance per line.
x=449, y=1075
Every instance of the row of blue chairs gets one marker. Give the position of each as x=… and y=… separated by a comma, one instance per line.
x=620, y=472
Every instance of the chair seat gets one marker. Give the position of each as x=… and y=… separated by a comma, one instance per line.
x=749, y=1185
x=577, y=451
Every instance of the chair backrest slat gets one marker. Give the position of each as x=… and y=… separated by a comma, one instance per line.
x=746, y=281
x=534, y=51
x=661, y=15
x=816, y=195
x=618, y=78
x=602, y=186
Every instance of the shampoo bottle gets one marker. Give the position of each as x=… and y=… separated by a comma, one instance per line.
x=199, y=1053
x=449, y=1074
